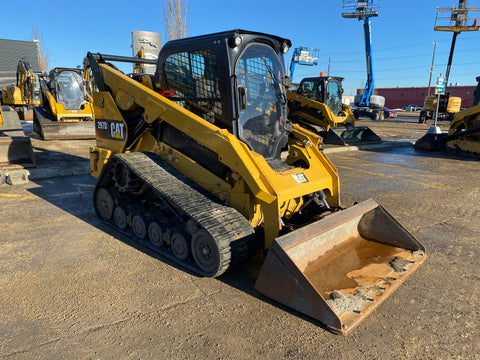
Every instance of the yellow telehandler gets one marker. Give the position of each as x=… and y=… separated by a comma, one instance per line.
x=200, y=163
x=18, y=100
x=448, y=106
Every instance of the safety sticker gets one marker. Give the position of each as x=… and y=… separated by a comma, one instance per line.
x=300, y=178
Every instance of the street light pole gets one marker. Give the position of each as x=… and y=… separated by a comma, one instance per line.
x=431, y=68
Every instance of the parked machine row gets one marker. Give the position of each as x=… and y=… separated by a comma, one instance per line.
x=57, y=102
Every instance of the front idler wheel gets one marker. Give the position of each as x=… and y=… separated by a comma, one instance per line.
x=205, y=252
x=104, y=204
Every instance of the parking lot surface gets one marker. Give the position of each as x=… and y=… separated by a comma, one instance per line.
x=74, y=288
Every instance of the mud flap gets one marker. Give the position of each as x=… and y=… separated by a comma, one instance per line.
x=351, y=135
x=339, y=269
x=49, y=129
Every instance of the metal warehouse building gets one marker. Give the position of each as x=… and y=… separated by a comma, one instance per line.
x=10, y=52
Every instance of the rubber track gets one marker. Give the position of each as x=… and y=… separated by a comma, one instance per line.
x=230, y=229
x=463, y=135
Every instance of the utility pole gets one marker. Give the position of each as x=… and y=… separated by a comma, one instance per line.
x=329, y=61
x=431, y=68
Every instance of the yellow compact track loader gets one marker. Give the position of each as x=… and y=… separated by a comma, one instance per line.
x=26, y=93
x=464, y=131
x=66, y=111
x=463, y=135
x=201, y=164
x=317, y=105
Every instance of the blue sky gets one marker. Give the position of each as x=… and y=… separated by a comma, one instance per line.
x=402, y=36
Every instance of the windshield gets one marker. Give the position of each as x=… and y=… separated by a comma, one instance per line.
x=262, y=100
x=70, y=90
x=334, y=96
x=312, y=89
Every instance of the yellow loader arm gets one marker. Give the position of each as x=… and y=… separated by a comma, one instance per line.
x=318, y=113
x=276, y=193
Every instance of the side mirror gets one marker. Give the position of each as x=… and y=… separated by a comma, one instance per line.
x=286, y=81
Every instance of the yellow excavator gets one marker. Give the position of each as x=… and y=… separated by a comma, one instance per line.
x=25, y=94
x=200, y=163
x=65, y=111
x=16, y=150
x=317, y=105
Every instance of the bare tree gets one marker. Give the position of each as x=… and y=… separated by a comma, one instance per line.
x=42, y=52
x=175, y=18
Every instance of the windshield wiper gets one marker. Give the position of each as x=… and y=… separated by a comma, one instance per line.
x=278, y=90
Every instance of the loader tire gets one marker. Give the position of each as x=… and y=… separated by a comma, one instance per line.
x=422, y=118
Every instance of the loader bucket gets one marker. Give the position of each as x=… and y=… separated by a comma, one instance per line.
x=339, y=269
x=15, y=148
x=49, y=129
x=350, y=136
x=431, y=141
x=16, y=151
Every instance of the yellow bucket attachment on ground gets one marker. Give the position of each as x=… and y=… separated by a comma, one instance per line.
x=15, y=148
x=339, y=269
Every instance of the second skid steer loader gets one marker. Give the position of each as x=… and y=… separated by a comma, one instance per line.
x=201, y=164
x=317, y=105
x=65, y=111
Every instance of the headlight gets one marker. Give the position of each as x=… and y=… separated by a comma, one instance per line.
x=235, y=41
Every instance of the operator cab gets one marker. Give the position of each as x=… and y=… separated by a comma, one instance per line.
x=67, y=87
x=324, y=89
x=235, y=80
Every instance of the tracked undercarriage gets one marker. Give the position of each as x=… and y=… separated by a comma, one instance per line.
x=140, y=193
